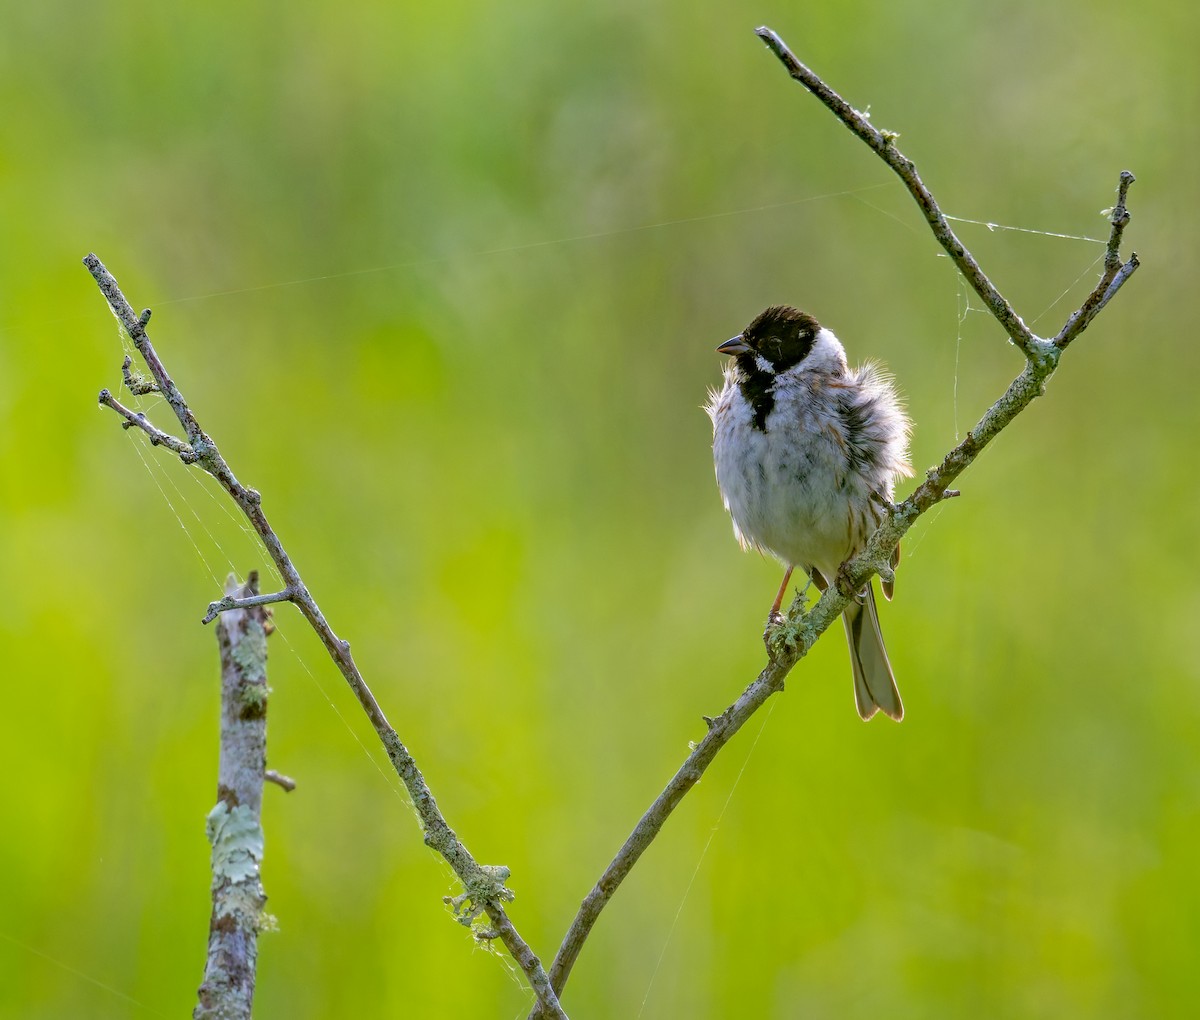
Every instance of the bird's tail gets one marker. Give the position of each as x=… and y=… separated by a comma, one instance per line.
x=874, y=684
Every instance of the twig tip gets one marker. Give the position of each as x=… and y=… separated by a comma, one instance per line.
x=287, y=783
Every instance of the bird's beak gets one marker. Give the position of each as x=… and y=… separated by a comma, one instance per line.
x=734, y=346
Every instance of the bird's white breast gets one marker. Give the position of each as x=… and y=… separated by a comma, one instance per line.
x=788, y=489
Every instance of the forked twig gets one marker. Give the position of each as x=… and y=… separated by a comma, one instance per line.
x=484, y=889
x=792, y=641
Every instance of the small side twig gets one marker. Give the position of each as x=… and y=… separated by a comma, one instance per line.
x=235, y=824
x=136, y=383
x=135, y=419
x=286, y=782
x=229, y=602
x=1115, y=273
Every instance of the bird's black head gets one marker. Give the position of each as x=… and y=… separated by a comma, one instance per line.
x=780, y=337
x=783, y=335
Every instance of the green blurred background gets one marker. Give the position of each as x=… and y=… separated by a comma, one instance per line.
x=445, y=286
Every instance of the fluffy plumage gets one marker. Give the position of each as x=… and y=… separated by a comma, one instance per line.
x=801, y=441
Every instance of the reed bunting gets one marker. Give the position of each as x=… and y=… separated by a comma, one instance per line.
x=805, y=449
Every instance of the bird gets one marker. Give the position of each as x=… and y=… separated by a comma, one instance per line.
x=807, y=452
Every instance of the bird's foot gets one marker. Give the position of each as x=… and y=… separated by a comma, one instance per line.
x=844, y=585
x=775, y=622
x=782, y=634
x=883, y=501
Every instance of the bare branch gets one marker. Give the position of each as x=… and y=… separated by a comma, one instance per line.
x=790, y=642
x=883, y=143
x=1115, y=273
x=720, y=730
x=135, y=329
x=202, y=451
x=235, y=824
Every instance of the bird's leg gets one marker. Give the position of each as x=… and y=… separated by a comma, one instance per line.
x=779, y=597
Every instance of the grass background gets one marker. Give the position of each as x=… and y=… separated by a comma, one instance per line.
x=445, y=284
